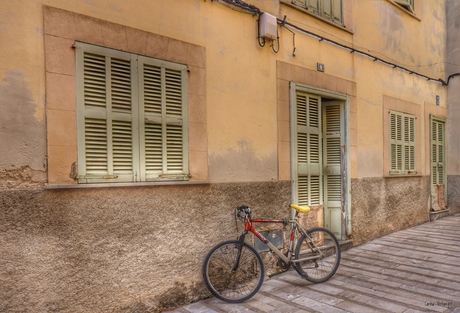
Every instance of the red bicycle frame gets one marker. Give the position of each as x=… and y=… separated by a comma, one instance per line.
x=248, y=227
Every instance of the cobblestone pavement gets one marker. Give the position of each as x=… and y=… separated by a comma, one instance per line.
x=414, y=270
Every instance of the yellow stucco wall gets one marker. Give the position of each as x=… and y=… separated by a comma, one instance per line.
x=56, y=240
x=241, y=89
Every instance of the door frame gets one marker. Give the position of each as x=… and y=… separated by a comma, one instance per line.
x=346, y=180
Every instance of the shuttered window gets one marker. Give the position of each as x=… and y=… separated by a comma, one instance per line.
x=406, y=4
x=329, y=9
x=131, y=117
x=402, y=143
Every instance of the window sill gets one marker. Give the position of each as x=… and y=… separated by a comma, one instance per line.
x=402, y=175
x=118, y=185
x=342, y=27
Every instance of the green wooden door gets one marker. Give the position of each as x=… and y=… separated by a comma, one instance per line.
x=333, y=145
x=438, y=163
x=317, y=151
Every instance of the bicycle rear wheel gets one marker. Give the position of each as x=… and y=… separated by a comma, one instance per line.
x=322, y=251
x=226, y=284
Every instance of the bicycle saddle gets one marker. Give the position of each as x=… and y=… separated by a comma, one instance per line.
x=301, y=209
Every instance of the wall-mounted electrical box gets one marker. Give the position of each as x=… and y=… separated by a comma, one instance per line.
x=268, y=27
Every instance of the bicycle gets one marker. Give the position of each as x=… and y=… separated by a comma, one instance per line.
x=233, y=271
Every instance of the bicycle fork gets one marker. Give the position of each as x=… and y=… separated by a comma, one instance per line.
x=238, y=253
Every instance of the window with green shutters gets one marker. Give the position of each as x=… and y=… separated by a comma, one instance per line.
x=406, y=4
x=402, y=143
x=329, y=9
x=131, y=117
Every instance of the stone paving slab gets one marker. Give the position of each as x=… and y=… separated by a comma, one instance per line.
x=413, y=270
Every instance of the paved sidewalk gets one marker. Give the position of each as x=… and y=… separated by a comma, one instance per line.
x=414, y=270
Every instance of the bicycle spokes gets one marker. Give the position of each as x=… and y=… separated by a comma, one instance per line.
x=231, y=280
x=318, y=254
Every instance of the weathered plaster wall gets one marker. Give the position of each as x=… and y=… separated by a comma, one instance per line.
x=239, y=89
x=453, y=105
x=118, y=249
x=453, y=192
x=22, y=120
x=390, y=35
x=385, y=205
x=139, y=248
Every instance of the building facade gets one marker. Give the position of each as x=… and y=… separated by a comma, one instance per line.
x=131, y=131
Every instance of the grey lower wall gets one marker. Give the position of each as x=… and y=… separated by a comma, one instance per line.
x=118, y=249
x=384, y=205
x=453, y=193
x=137, y=249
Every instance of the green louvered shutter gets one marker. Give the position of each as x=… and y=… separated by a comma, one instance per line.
x=151, y=120
x=438, y=163
x=409, y=144
x=326, y=7
x=163, y=122
x=308, y=149
x=336, y=11
x=95, y=146
x=437, y=152
x=105, y=115
x=312, y=6
x=300, y=3
x=332, y=150
x=396, y=144
x=402, y=143
x=174, y=122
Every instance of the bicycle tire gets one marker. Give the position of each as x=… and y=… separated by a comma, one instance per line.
x=228, y=286
x=322, y=269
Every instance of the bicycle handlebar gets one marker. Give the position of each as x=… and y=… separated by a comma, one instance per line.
x=243, y=211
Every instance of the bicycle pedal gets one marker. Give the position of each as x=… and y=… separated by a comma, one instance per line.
x=282, y=265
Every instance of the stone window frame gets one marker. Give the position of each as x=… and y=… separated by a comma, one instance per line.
x=409, y=108
x=402, y=136
x=61, y=30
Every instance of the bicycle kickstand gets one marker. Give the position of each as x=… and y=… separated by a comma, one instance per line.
x=240, y=246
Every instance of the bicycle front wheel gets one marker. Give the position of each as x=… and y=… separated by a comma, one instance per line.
x=225, y=283
x=320, y=252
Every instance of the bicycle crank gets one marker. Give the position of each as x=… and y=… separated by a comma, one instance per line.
x=282, y=265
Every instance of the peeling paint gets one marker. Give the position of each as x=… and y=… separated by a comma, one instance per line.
x=23, y=177
x=23, y=138
x=242, y=164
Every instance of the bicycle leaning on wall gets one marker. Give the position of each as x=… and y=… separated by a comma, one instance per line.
x=233, y=270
